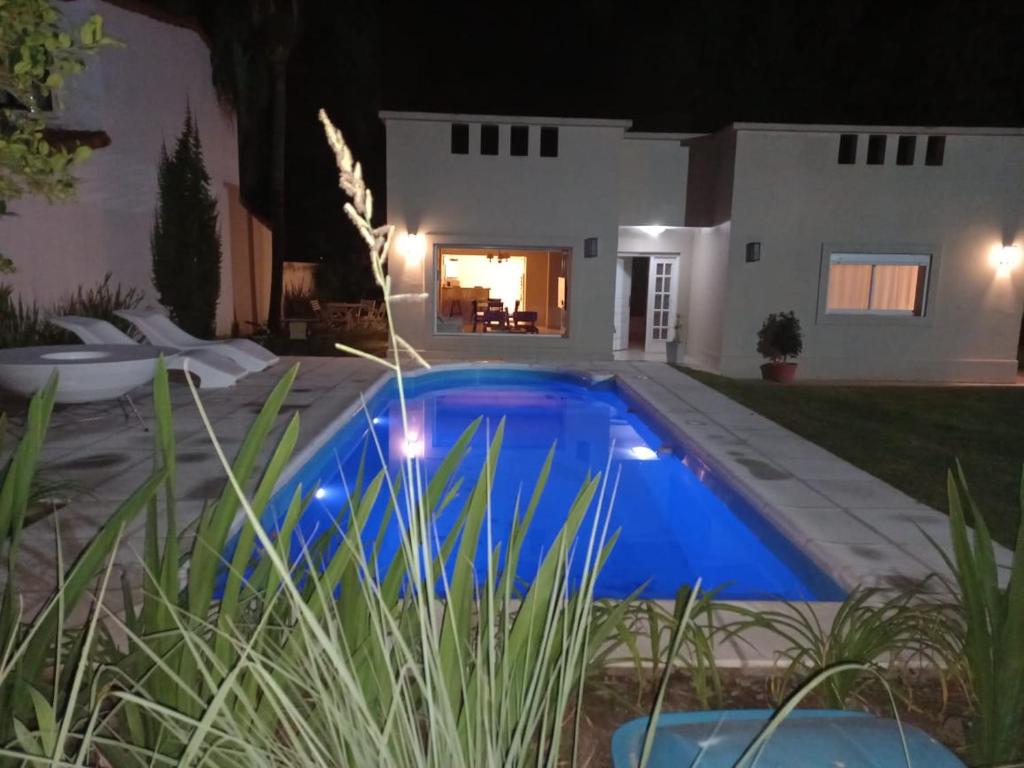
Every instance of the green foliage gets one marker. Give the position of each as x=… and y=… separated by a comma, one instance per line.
x=185, y=241
x=37, y=54
x=992, y=629
x=871, y=628
x=780, y=337
x=25, y=324
x=653, y=622
x=42, y=663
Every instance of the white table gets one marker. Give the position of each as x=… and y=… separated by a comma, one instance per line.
x=87, y=372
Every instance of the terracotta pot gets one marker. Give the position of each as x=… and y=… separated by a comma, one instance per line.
x=783, y=373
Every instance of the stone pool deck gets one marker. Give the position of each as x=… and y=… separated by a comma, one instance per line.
x=859, y=529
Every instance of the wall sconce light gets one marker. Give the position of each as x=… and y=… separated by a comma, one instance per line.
x=412, y=247
x=753, y=252
x=1007, y=258
x=653, y=230
x=590, y=248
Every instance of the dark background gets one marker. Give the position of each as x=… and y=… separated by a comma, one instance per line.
x=691, y=65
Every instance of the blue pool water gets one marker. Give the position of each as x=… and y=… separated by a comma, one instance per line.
x=678, y=521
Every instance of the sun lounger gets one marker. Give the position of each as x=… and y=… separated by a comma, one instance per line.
x=158, y=329
x=214, y=370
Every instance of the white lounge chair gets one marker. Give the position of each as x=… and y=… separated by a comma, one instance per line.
x=215, y=371
x=158, y=329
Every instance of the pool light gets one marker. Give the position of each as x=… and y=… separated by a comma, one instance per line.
x=413, y=445
x=643, y=453
x=320, y=493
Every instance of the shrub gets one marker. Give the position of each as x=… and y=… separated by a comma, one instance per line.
x=780, y=337
x=25, y=324
x=991, y=629
x=185, y=242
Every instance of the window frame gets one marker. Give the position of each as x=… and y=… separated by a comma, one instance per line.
x=878, y=145
x=906, y=150
x=458, y=133
x=486, y=130
x=848, y=147
x=431, y=285
x=874, y=254
x=514, y=133
x=935, y=151
x=548, y=142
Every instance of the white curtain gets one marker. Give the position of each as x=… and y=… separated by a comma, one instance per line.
x=895, y=287
x=849, y=287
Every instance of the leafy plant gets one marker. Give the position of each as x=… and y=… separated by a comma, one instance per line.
x=780, y=337
x=645, y=634
x=37, y=54
x=24, y=324
x=42, y=662
x=185, y=242
x=991, y=630
x=871, y=628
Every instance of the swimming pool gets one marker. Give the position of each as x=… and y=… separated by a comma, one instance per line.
x=678, y=520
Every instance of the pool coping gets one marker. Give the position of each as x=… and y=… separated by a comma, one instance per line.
x=881, y=539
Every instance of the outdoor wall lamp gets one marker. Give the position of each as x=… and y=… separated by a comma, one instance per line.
x=412, y=247
x=653, y=230
x=1006, y=258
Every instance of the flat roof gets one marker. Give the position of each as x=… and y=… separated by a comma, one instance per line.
x=454, y=117
x=836, y=128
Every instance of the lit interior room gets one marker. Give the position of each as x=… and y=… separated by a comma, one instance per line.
x=491, y=290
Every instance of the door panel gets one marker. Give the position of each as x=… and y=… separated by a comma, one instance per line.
x=661, y=303
x=623, y=288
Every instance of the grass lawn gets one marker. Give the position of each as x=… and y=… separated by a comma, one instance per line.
x=908, y=436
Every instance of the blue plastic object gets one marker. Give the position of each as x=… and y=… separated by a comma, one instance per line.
x=808, y=738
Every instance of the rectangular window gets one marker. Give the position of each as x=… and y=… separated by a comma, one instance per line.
x=488, y=139
x=460, y=139
x=877, y=283
x=848, y=149
x=519, y=140
x=549, y=141
x=517, y=292
x=905, y=150
x=876, y=149
x=935, y=152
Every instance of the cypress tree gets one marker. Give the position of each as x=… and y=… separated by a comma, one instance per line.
x=185, y=242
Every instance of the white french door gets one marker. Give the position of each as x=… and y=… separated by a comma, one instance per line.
x=623, y=288
x=661, y=303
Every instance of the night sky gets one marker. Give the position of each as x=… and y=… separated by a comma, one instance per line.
x=692, y=65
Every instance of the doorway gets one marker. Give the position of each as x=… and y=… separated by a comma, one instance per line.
x=645, y=302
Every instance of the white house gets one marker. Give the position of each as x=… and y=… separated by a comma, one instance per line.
x=134, y=98
x=897, y=247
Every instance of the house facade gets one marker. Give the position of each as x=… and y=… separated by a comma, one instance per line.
x=540, y=238
x=134, y=96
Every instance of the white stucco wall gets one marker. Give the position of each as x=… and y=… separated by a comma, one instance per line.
x=137, y=94
x=705, y=303
x=652, y=180
x=511, y=202
x=792, y=196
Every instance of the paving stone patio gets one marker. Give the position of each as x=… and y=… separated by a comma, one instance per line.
x=853, y=525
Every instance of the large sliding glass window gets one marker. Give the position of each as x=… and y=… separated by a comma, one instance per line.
x=877, y=283
x=499, y=290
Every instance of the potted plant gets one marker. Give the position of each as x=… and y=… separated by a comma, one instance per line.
x=779, y=340
x=674, y=349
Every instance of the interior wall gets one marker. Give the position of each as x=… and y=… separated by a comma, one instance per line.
x=536, y=299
